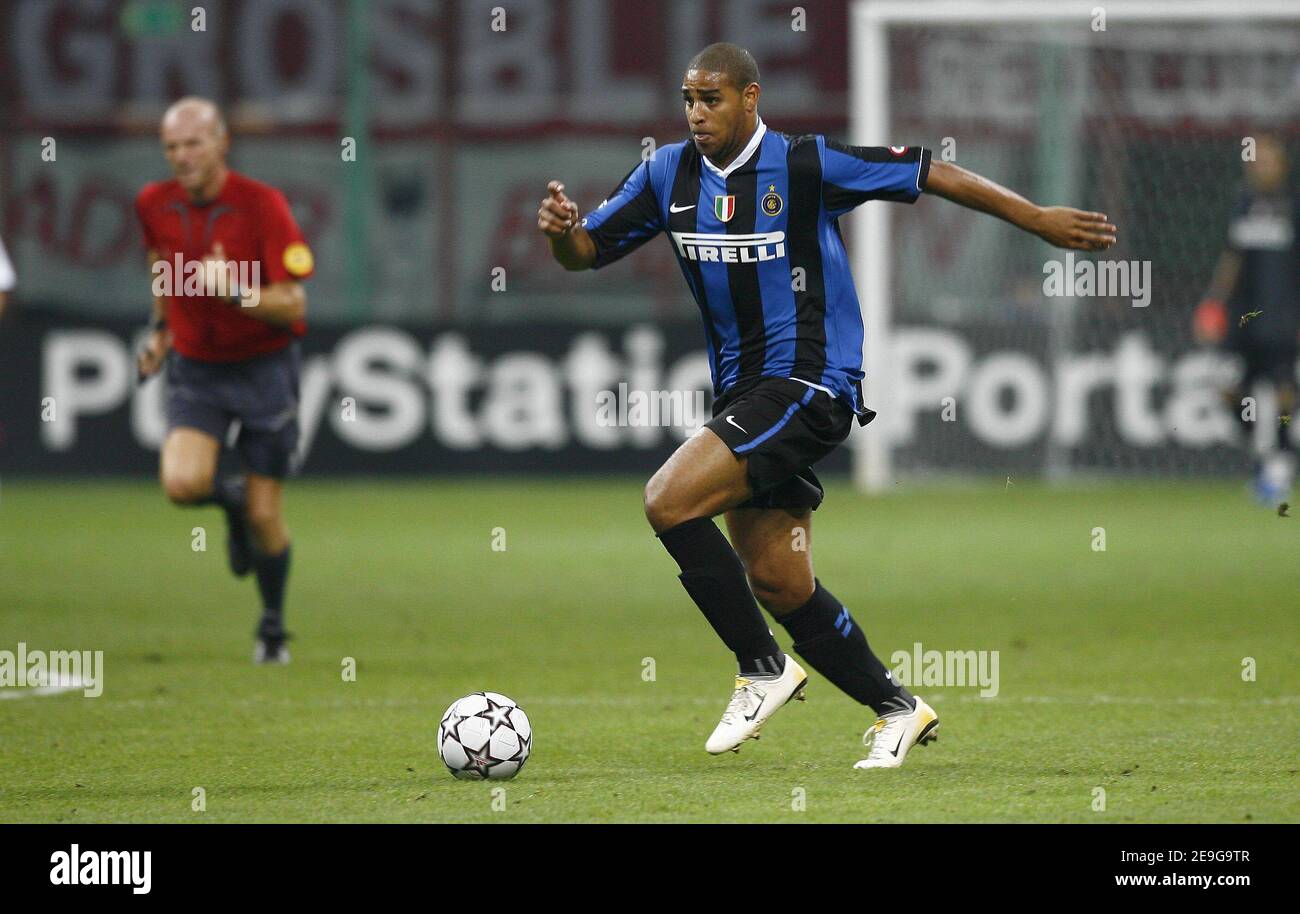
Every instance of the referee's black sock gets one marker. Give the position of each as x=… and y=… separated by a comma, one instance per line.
x=272, y=573
x=834, y=645
x=228, y=493
x=714, y=576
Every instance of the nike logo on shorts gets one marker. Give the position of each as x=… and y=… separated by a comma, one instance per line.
x=731, y=420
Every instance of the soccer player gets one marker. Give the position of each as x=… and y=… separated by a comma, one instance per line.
x=752, y=216
x=1253, y=305
x=233, y=349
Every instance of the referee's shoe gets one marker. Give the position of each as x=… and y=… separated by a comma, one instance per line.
x=271, y=642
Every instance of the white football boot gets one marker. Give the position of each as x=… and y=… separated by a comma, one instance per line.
x=892, y=735
x=753, y=702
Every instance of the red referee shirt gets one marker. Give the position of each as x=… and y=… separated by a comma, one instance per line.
x=252, y=221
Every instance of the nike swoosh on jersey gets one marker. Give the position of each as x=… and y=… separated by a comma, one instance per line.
x=674, y=208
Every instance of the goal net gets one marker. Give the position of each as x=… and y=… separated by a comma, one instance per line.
x=988, y=351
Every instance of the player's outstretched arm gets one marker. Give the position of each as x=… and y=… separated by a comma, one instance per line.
x=1061, y=226
x=557, y=218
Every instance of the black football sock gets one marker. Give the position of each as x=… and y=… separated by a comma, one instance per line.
x=714, y=576
x=834, y=645
x=228, y=493
x=272, y=573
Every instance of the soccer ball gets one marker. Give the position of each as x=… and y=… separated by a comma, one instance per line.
x=484, y=735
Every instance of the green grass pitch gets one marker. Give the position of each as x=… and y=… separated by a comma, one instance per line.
x=1119, y=670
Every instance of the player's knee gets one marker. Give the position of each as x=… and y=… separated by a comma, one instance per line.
x=663, y=509
x=657, y=507
x=186, y=488
x=778, y=594
x=265, y=520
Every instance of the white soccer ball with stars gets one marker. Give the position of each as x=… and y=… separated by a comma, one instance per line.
x=485, y=735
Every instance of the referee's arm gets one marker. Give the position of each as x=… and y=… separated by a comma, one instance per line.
x=150, y=359
x=1061, y=226
x=557, y=217
x=281, y=303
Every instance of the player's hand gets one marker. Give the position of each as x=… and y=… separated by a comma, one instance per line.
x=1210, y=321
x=1066, y=227
x=218, y=272
x=558, y=215
x=154, y=353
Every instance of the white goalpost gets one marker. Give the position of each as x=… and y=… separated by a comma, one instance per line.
x=1138, y=108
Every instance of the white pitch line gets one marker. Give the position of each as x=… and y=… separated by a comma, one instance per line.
x=73, y=684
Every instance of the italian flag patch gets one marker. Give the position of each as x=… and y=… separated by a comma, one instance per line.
x=724, y=207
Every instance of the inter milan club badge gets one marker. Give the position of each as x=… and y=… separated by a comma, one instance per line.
x=772, y=201
x=724, y=207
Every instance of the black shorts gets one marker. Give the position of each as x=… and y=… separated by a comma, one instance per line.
x=782, y=427
x=262, y=393
x=1272, y=361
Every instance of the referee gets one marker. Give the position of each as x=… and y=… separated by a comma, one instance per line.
x=228, y=341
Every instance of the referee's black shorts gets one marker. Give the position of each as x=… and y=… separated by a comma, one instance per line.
x=262, y=393
x=782, y=427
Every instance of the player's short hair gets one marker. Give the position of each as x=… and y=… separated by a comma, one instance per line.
x=731, y=60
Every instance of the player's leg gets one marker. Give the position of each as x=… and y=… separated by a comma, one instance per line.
x=1278, y=472
x=775, y=545
x=702, y=479
x=268, y=439
x=197, y=422
x=187, y=466
x=271, y=554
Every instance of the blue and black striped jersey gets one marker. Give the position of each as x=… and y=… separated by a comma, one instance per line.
x=759, y=244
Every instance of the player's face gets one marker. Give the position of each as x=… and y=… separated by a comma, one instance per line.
x=717, y=113
x=1268, y=172
x=194, y=150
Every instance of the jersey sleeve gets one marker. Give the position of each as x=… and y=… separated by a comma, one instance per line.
x=285, y=255
x=627, y=219
x=855, y=174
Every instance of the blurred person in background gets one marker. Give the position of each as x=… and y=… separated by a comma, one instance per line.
x=231, y=352
x=7, y=277
x=1252, y=308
